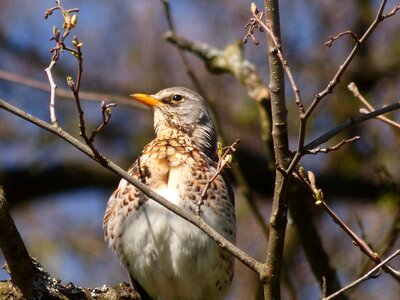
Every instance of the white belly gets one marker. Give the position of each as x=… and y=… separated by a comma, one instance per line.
x=169, y=256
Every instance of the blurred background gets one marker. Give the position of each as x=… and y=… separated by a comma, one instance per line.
x=58, y=196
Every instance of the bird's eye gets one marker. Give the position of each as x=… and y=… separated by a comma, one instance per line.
x=177, y=98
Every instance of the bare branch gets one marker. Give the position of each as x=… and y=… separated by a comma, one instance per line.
x=332, y=148
x=369, y=275
x=229, y=60
x=392, y=12
x=369, y=108
x=20, y=266
x=257, y=23
x=223, y=162
x=278, y=220
x=330, y=87
x=66, y=94
x=318, y=195
x=53, y=88
x=106, y=113
x=334, y=38
x=350, y=122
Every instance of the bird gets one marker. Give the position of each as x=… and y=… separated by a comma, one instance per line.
x=167, y=257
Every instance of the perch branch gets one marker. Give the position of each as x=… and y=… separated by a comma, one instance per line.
x=220, y=240
x=19, y=264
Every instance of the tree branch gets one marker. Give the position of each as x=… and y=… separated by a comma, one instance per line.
x=350, y=122
x=369, y=108
x=19, y=264
x=30, y=281
x=278, y=218
x=66, y=94
x=333, y=83
x=368, y=275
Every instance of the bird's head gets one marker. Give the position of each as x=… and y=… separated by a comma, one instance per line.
x=185, y=110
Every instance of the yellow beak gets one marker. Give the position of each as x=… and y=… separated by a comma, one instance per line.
x=146, y=99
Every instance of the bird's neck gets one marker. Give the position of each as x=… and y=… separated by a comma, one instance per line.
x=204, y=140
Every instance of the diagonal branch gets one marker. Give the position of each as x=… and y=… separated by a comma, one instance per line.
x=66, y=94
x=318, y=195
x=20, y=265
x=214, y=235
x=368, y=275
x=350, y=122
x=369, y=108
x=334, y=82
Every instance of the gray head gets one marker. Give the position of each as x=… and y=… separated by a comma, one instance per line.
x=186, y=111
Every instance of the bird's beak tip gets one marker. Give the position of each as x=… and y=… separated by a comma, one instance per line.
x=146, y=99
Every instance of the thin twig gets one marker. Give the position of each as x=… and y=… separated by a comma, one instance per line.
x=369, y=108
x=334, y=147
x=189, y=71
x=334, y=82
x=350, y=122
x=106, y=114
x=256, y=22
x=368, y=275
x=223, y=162
x=69, y=23
x=53, y=88
x=66, y=94
x=318, y=195
x=198, y=222
x=334, y=38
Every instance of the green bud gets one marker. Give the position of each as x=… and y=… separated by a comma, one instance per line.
x=319, y=197
x=56, y=32
x=228, y=158
x=219, y=149
x=75, y=41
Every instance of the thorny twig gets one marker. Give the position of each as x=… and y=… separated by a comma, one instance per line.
x=334, y=147
x=310, y=182
x=369, y=108
x=223, y=162
x=368, y=275
x=334, y=38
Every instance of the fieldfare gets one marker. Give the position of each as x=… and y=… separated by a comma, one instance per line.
x=166, y=256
